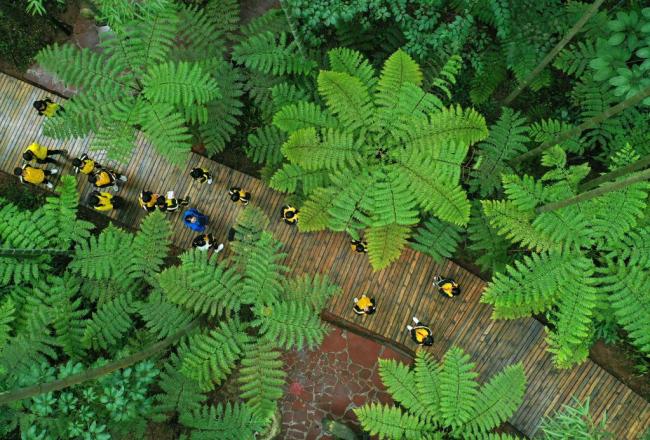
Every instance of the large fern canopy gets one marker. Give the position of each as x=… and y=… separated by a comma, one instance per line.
x=442, y=400
x=378, y=155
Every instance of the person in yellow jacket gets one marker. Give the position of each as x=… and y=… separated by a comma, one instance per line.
x=201, y=175
x=85, y=165
x=289, y=215
x=46, y=107
x=106, y=178
x=420, y=333
x=103, y=201
x=33, y=175
x=40, y=154
x=446, y=286
x=149, y=200
x=364, y=305
x=359, y=246
x=238, y=195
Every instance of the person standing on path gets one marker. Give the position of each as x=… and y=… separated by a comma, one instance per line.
x=364, y=305
x=238, y=195
x=195, y=220
x=201, y=175
x=41, y=154
x=446, y=286
x=420, y=333
x=35, y=176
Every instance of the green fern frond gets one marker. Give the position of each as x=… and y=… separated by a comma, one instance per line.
x=313, y=290
x=533, y=284
x=385, y=244
x=347, y=98
x=313, y=214
x=264, y=145
x=398, y=70
x=7, y=312
x=354, y=191
x=497, y=400
x=547, y=129
x=427, y=382
x=150, y=247
x=197, y=35
x=575, y=59
x=458, y=388
x=110, y=323
x=211, y=356
x=263, y=272
x=401, y=384
x=274, y=20
x=332, y=151
x=302, y=115
x=97, y=258
x=225, y=15
x=179, y=83
x=161, y=317
x=288, y=325
x=525, y=192
x=261, y=379
x=288, y=178
x=353, y=63
x=166, y=130
x=568, y=226
x=446, y=77
x=489, y=248
x=271, y=53
x=287, y=93
x=68, y=319
x=389, y=422
x=485, y=82
x=391, y=201
x=436, y=238
x=232, y=421
x=180, y=394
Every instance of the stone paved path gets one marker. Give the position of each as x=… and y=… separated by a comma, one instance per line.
x=330, y=381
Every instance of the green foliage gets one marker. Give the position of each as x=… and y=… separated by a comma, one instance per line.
x=180, y=394
x=437, y=238
x=232, y=421
x=575, y=422
x=334, y=159
x=436, y=400
x=289, y=324
x=110, y=323
x=144, y=79
x=261, y=379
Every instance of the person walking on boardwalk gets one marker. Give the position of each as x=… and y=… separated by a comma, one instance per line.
x=148, y=200
x=446, y=286
x=359, y=246
x=238, y=195
x=35, y=176
x=171, y=203
x=364, y=305
x=195, y=220
x=289, y=214
x=46, y=107
x=104, y=201
x=85, y=165
x=206, y=242
x=201, y=175
x=106, y=178
x=40, y=154
x=420, y=333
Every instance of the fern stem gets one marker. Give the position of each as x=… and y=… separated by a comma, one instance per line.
x=549, y=57
x=615, y=186
x=292, y=29
x=41, y=388
x=17, y=253
x=639, y=164
x=589, y=123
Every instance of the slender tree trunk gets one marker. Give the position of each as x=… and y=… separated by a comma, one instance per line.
x=638, y=165
x=34, y=390
x=615, y=186
x=589, y=123
x=549, y=57
x=18, y=253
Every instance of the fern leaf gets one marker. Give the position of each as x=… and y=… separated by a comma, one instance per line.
x=180, y=394
x=287, y=179
x=270, y=54
x=150, y=247
x=427, y=382
x=179, y=83
x=230, y=421
x=437, y=239
x=301, y=115
x=353, y=63
x=313, y=214
x=497, y=400
x=7, y=311
x=490, y=248
x=162, y=317
x=575, y=59
x=391, y=201
x=289, y=325
x=400, y=383
x=166, y=130
x=264, y=145
x=97, y=258
x=345, y=211
x=458, y=388
x=68, y=320
x=110, y=323
x=525, y=192
x=447, y=76
x=210, y=357
x=313, y=290
x=398, y=70
x=226, y=17
x=346, y=97
x=385, y=244
x=263, y=272
x=389, y=422
x=261, y=379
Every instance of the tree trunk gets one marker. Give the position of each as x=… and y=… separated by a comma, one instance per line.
x=548, y=58
x=41, y=388
x=589, y=123
x=638, y=165
x=615, y=186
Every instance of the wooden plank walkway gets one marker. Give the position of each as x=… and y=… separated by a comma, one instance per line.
x=402, y=290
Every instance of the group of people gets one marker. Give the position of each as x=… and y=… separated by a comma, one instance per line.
x=421, y=334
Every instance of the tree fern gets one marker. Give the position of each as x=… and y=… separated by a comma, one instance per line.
x=267, y=52
x=261, y=379
x=353, y=63
x=313, y=214
x=264, y=145
x=313, y=290
x=262, y=272
x=150, y=247
x=162, y=317
x=458, y=389
x=385, y=243
x=347, y=98
x=98, y=257
x=427, y=382
x=230, y=421
x=436, y=238
x=289, y=324
x=389, y=422
x=226, y=16
x=179, y=394
x=401, y=385
x=211, y=356
x=179, y=83
x=69, y=316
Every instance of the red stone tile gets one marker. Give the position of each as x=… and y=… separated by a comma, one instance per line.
x=333, y=342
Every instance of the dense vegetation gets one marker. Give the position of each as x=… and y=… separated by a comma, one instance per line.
x=435, y=124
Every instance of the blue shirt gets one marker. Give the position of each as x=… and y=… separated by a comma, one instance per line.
x=201, y=220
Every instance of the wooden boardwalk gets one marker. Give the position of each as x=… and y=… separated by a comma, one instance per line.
x=402, y=290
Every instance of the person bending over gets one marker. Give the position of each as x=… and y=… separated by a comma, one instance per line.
x=420, y=333
x=35, y=176
x=40, y=154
